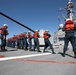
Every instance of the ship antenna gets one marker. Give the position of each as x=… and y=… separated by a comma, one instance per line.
x=69, y=9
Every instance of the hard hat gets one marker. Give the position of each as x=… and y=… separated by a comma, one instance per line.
x=36, y=30
x=5, y=25
x=68, y=19
x=29, y=31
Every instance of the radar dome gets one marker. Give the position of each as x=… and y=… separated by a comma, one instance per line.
x=61, y=26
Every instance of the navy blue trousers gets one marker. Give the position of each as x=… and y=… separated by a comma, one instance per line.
x=69, y=37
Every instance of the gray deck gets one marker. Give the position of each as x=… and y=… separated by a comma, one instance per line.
x=47, y=64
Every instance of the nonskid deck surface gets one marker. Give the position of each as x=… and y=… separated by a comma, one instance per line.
x=21, y=62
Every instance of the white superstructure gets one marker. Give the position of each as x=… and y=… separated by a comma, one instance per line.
x=59, y=36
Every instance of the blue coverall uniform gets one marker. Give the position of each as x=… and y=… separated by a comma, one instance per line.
x=30, y=40
x=36, y=41
x=69, y=37
x=47, y=42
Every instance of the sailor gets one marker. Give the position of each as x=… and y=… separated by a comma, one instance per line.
x=69, y=28
x=25, y=43
x=30, y=40
x=36, y=40
x=13, y=41
x=1, y=39
x=4, y=34
x=47, y=42
x=8, y=42
x=17, y=41
x=21, y=40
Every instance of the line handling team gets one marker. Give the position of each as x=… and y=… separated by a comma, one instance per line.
x=20, y=40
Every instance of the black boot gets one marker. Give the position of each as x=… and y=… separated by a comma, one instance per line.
x=63, y=54
x=3, y=49
x=0, y=47
x=39, y=50
x=53, y=51
x=44, y=50
x=74, y=54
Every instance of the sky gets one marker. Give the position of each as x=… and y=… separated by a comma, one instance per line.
x=35, y=14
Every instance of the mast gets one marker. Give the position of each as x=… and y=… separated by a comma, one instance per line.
x=69, y=9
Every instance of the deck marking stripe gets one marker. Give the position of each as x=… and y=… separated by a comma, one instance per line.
x=24, y=56
x=2, y=56
x=47, y=61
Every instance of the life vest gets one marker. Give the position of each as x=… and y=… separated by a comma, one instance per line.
x=46, y=36
x=0, y=30
x=29, y=36
x=16, y=37
x=12, y=39
x=4, y=31
x=20, y=36
x=35, y=35
x=24, y=35
x=69, y=25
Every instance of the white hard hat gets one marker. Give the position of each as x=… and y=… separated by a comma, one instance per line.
x=36, y=30
x=5, y=25
x=68, y=19
x=29, y=31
